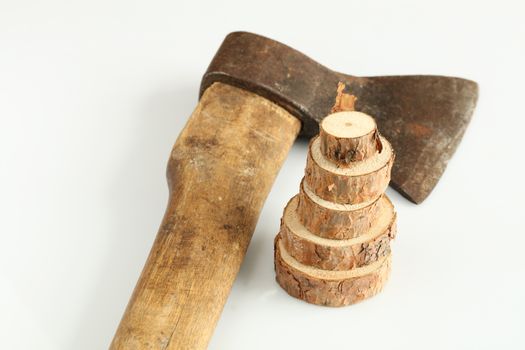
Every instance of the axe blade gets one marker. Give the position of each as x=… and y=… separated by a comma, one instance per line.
x=424, y=116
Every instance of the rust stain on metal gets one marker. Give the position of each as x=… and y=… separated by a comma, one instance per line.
x=423, y=116
x=419, y=130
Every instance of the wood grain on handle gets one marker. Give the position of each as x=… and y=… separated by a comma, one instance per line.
x=220, y=172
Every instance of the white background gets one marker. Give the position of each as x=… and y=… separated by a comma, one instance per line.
x=93, y=94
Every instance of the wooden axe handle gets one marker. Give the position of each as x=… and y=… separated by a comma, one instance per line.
x=219, y=174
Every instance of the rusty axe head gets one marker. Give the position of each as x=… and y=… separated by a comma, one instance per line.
x=423, y=116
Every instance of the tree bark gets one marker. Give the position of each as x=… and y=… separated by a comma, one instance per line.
x=343, y=150
x=361, y=183
x=329, y=288
x=328, y=254
x=335, y=221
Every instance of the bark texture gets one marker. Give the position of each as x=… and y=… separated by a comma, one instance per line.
x=341, y=188
x=344, y=254
x=335, y=223
x=335, y=291
x=343, y=150
x=219, y=174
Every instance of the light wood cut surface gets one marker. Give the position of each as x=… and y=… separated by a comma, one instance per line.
x=347, y=137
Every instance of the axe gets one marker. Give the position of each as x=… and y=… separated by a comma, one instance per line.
x=256, y=97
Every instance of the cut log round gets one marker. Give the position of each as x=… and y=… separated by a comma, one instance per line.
x=330, y=254
x=346, y=137
x=332, y=220
x=329, y=288
x=361, y=182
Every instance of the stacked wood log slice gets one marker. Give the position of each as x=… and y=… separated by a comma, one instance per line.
x=333, y=247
